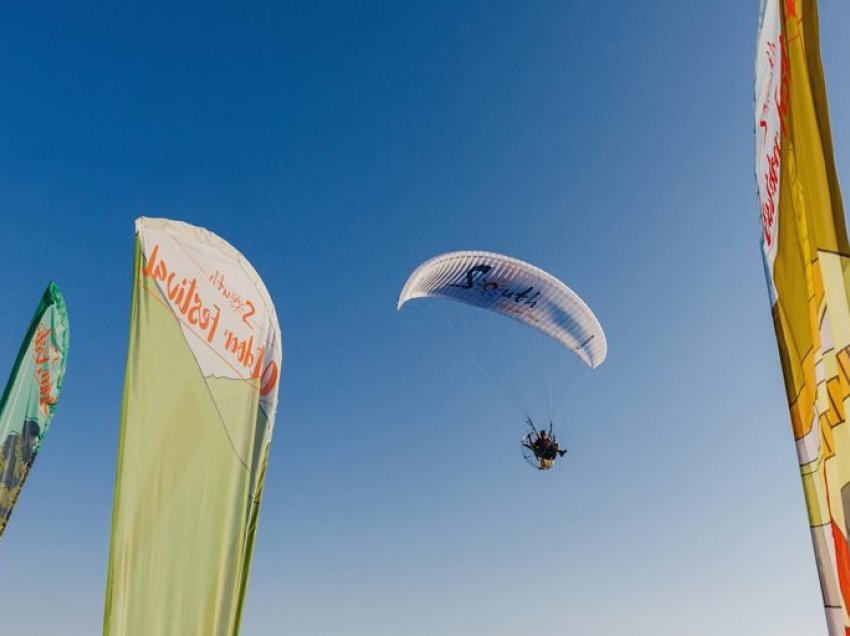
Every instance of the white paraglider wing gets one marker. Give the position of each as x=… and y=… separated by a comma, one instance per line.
x=513, y=288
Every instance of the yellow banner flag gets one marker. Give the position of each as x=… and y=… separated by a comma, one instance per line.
x=807, y=262
x=200, y=396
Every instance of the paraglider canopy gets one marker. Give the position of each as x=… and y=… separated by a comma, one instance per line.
x=513, y=288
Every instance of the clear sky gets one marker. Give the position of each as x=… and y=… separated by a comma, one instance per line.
x=337, y=146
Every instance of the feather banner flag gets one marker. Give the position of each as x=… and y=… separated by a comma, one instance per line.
x=30, y=397
x=807, y=263
x=199, y=404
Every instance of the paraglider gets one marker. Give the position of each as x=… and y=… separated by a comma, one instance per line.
x=540, y=448
x=527, y=294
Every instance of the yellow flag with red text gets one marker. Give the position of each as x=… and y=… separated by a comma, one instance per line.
x=807, y=263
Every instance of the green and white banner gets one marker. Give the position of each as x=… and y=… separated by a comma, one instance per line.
x=30, y=397
x=199, y=404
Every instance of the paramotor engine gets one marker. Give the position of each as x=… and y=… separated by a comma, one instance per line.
x=539, y=450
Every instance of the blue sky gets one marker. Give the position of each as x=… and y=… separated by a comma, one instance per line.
x=339, y=146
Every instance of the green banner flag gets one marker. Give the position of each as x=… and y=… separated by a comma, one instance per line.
x=199, y=402
x=30, y=397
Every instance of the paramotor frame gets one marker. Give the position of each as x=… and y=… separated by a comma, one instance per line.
x=530, y=445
